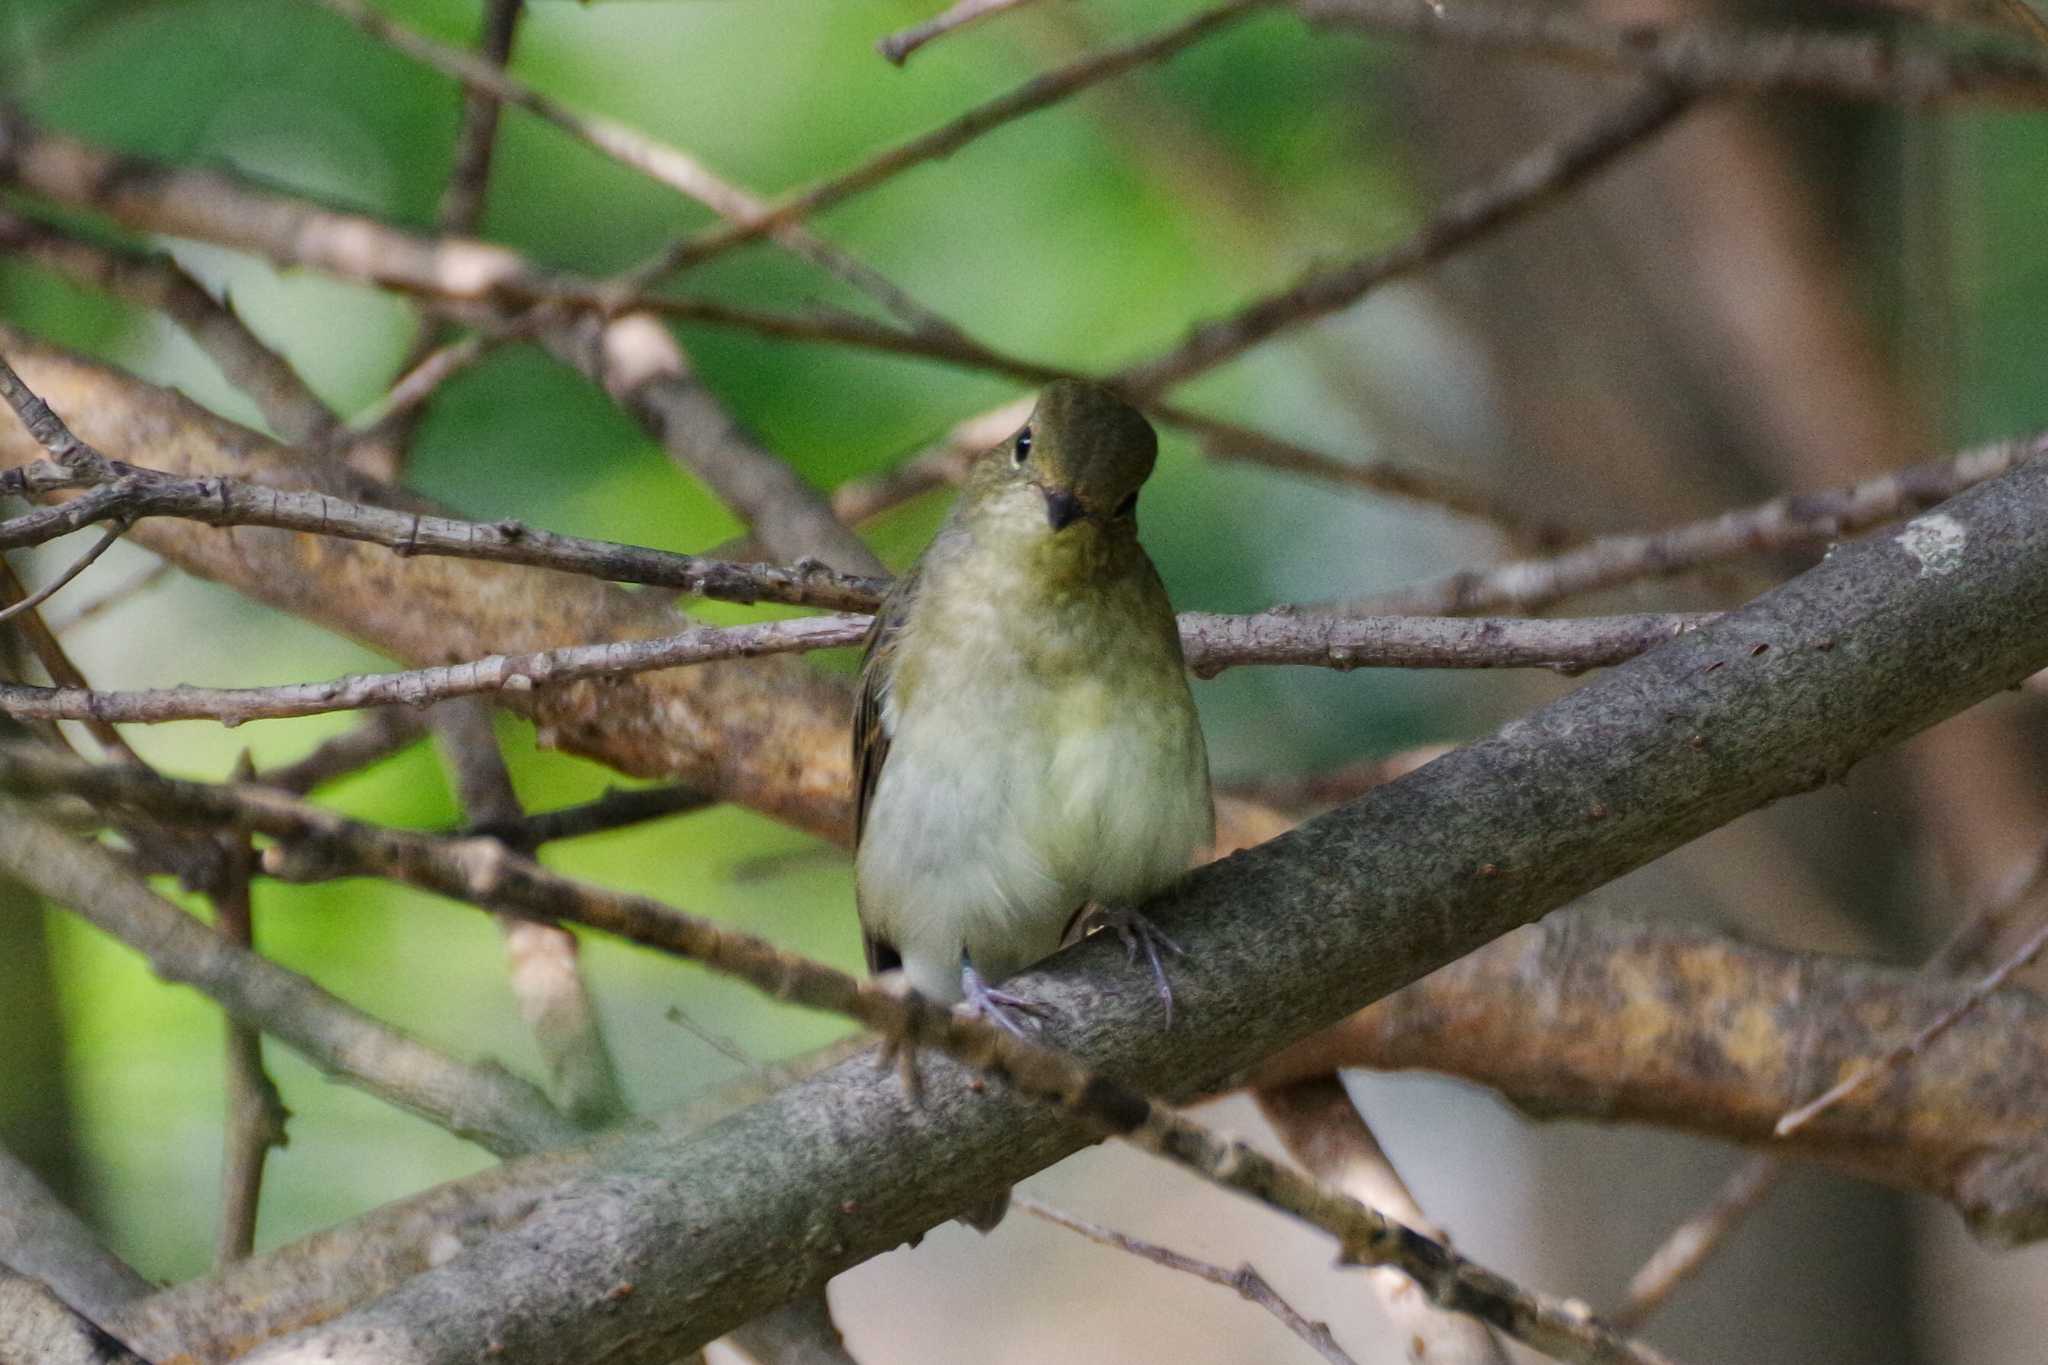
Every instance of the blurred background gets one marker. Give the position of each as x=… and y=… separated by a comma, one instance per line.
x=1773, y=296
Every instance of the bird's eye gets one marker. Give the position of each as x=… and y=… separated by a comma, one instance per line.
x=1127, y=506
x=1023, y=445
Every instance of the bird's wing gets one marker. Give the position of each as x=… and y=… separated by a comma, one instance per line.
x=871, y=734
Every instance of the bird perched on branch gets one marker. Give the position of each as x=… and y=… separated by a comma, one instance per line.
x=1025, y=743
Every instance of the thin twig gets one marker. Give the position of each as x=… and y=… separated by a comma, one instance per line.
x=1796, y=519
x=1680, y=1255
x=115, y=596
x=1865, y=1072
x=545, y=973
x=469, y=174
x=1323, y=1130
x=1212, y=644
x=48, y=429
x=473, y=281
x=256, y=1116
x=1536, y=178
x=616, y=809
x=136, y=493
x=897, y=46
x=1245, y=1280
x=158, y=282
x=375, y=738
x=481, y=1102
x=1038, y=93
x=661, y=162
x=1708, y=58
x=420, y=686
x=384, y=434
x=62, y=580
x=486, y=874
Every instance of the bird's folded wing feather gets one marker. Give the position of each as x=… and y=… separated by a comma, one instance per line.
x=870, y=733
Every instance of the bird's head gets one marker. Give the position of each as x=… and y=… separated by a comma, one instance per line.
x=1086, y=451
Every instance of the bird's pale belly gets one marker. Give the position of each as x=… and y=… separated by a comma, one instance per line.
x=993, y=824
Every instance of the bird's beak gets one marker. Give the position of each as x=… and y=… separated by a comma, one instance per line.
x=1062, y=509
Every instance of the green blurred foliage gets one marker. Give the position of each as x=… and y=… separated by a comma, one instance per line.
x=1056, y=237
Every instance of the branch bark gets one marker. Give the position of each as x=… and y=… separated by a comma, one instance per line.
x=1882, y=639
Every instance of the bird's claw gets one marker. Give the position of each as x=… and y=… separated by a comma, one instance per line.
x=1139, y=932
x=1012, y=1013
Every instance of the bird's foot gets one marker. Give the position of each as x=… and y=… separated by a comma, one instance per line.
x=1012, y=1013
x=1140, y=933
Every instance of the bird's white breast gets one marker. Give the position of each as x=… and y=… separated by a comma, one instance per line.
x=1065, y=765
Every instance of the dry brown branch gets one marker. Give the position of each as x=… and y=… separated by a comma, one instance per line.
x=1038, y=93
x=1248, y=1283
x=136, y=492
x=767, y=731
x=1322, y=1129
x=616, y=809
x=38, y=1328
x=637, y=362
x=256, y=1116
x=1916, y=1046
x=545, y=975
x=1708, y=58
x=487, y=875
x=1538, y=1017
x=1535, y=179
x=40, y=1237
x=481, y=1102
x=1793, y=520
x=1682, y=1253
x=158, y=283
x=376, y=737
x=898, y=46
x=31, y=601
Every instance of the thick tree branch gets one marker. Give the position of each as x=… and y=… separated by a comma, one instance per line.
x=318, y=841
x=1648, y=1023
x=1883, y=638
x=38, y=1328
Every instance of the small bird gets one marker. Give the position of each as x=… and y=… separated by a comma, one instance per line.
x=1025, y=743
